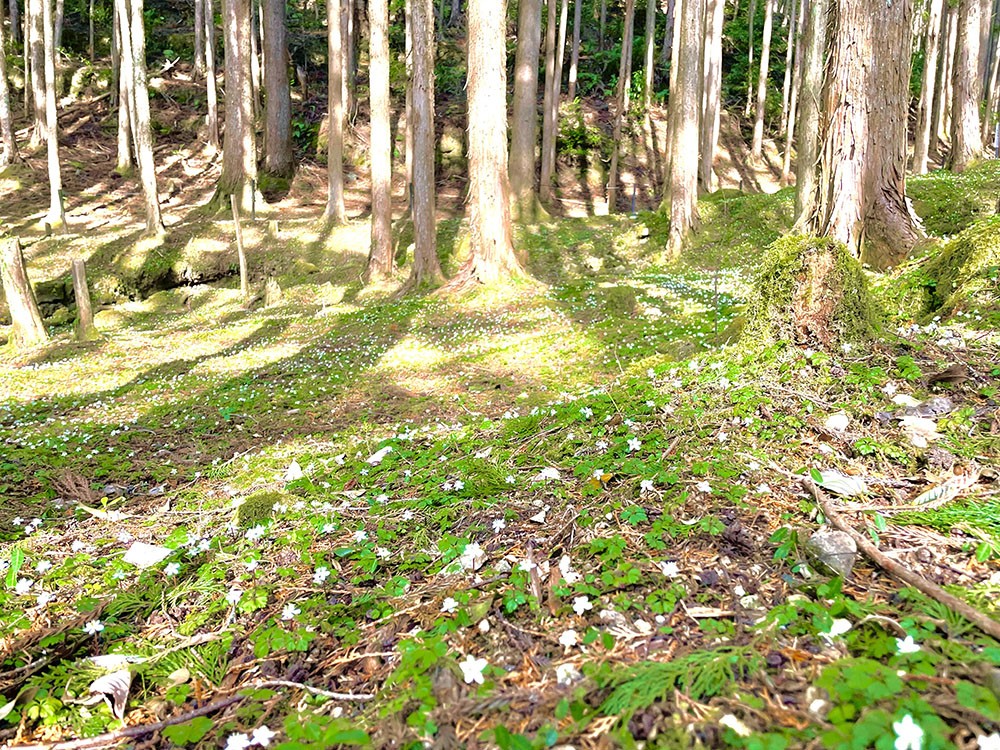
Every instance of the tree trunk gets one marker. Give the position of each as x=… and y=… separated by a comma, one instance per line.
x=966, y=136
x=335, y=108
x=765, y=59
x=56, y=216
x=814, y=29
x=491, y=245
x=603, y=24
x=126, y=160
x=133, y=49
x=90, y=32
x=793, y=101
x=84, y=329
x=574, y=57
x=278, y=116
x=456, y=11
x=650, y=53
x=408, y=113
x=786, y=89
x=426, y=269
x=621, y=102
x=34, y=12
x=932, y=45
x=256, y=79
x=199, y=38
x=942, y=120
x=668, y=35
x=239, y=148
x=985, y=29
x=211, y=87
x=751, y=17
x=58, y=24
x=863, y=164
x=990, y=98
x=685, y=105
x=27, y=329
x=711, y=104
x=348, y=25
x=380, y=260
x=9, y=154
x=675, y=65
x=524, y=129
x=15, y=22
x=548, y=136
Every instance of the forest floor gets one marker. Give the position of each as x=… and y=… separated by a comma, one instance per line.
x=570, y=512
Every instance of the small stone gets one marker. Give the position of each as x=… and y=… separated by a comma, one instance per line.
x=837, y=422
x=832, y=551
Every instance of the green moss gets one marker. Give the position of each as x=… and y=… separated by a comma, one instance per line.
x=948, y=202
x=810, y=290
x=619, y=300
x=257, y=508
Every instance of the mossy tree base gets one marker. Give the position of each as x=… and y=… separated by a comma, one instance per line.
x=811, y=291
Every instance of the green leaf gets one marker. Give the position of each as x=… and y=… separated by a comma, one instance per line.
x=188, y=732
x=16, y=561
x=880, y=522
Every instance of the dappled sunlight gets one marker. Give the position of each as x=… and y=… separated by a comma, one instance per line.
x=409, y=353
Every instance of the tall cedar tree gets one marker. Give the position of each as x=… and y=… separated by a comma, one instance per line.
x=278, y=113
x=239, y=146
x=966, y=136
x=9, y=153
x=524, y=121
x=56, y=216
x=380, y=261
x=335, y=107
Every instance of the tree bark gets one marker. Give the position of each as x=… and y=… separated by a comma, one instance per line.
x=548, y=134
x=199, y=38
x=574, y=57
x=751, y=17
x=126, y=159
x=685, y=105
x=966, y=135
x=456, y=12
x=27, y=329
x=9, y=154
x=348, y=26
x=932, y=45
x=650, y=53
x=90, y=31
x=603, y=24
x=524, y=129
x=810, y=95
x=491, y=245
x=408, y=108
x=58, y=24
x=335, y=107
x=211, y=87
x=863, y=164
x=711, y=103
x=942, y=118
x=426, y=269
x=35, y=56
x=56, y=217
x=990, y=98
x=793, y=101
x=239, y=148
x=15, y=22
x=84, y=329
x=278, y=159
x=621, y=102
x=668, y=34
x=765, y=60
x=675, y=65
x=255, y=62
x=786, y=89
x=380, y=260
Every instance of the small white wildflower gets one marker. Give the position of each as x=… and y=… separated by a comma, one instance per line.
x=909, y=735
x=360, y=536
x=458, y=484
x=510, y=479
x=23, y=586
x=907, y=645
x=237, y=741
x=581, y=604
x=587, y=412
x=43, y=566
x=569, y=638
x=321, y=574
x=634, y=444
x=233, y=595
x=383, y=553
x=472, y=669
x=989, y=742
x=526, y=565
x=93, y=627
x=484, y=626
x=255, y=532
x=407, y=515
x=601, y=445
x=172, y=569
x=839, y=626
x=252, y=564
x=670, y=569
x=704, y=487
x=262, y=736
x=499, y=525
x=290, y=612
x=567, y=674
x=449, y=605
x=646, y=485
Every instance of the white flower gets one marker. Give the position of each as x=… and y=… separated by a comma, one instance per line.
x=581, y=604
x=252, y=564
x=732, y=722
x=510, y=479
x=634, y=444
x=255, y=532
x=458, y=484
x=172, y=569
x=670, y=569
x=77, y=545
x=294, y=472
x=329, y=528
x=991, y=742
x=407, y=515
x=233, y=595
x=764, y=489
x=262, y=736
x=646, y=485
x=499, y=525
x=23, y=586
x=237, y=741
x=566, y=568
x=321, y=574
x=360, y=536
x=290, y=612
x=383, y=553
x=547, y=473
x=472, y=557
x=704, y=487
x=43, y=566
x=484, y=626
x=526, y=565
x=909, y=735
x=472, y=669
x=839, y=626
x=44, y=598
x=17, y=520
x=907, y=645
x=567, y=674
x=569, y=638
x=601, y=445
x=587, y=412
x=93, y=627
x=449, y=605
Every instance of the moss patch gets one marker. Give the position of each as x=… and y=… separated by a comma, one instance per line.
x=257, y=507
x=810, y=290
x=948, y=202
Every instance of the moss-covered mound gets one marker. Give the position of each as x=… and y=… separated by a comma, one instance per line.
x=948, y=202
x=257, y=508
x=810, y=291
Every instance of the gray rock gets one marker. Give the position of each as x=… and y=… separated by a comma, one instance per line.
x=832, y=552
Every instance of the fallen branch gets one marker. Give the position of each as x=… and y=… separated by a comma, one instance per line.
x=314, y=690
x=985, y=623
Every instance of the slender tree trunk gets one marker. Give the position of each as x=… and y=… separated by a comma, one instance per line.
x=491, y=245
x=335, y=106
x=456, y=11
x=650, y=53
x=211, y=86
x=58, y=24
x=810, y=97
x=574, y=57
x=786, y=89
x=255, y=64
x=199, y=38
x=751, y=17
x=84, y=329
x=603, y=24
x=34, y=11
x=133, y=50
x=115, y=60
x=408, y=113
x=711, y=103
x=9, y=153
x=56, y=216
x=426, y=269
x=985, y=29
x=943, y=122
x=932, y=45
x=765, y=59
x=380, y=260
x=863, y=164
x=621, y=103
x=793, y=101
x=239, y=148
x=278, y=114
x=126, y=160
x=348, y=28
x=685, y=116
x=15, y=22
x=524, y=128
x=548, y=136
x=668, y=35
x=672, y=111
x=27, y=329
x=90, y=31
x=966, y=135
x=990, y=98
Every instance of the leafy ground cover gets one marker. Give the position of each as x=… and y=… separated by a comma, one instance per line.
x=561, y=514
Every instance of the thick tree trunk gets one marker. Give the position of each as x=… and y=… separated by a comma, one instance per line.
x=211, y=87
x=524, y=121
x=239, y=147
x=335, y=107
x=793, y=101
x=408, y=108
x=548, y=105
x=56, y=216
x=786, y=89
x=685, y=105
x=256, y=79
x=426, y=269
x=348, y=26
x=58, y=24
x=574, y=57
x=711, y=100
x=84, y=329
x=621, y=103
x=278, y=115
x=765, y=60
x=810, y=95
x=9, y=153
x=863, y=164
x=990, y=98
x=380, y=260
x=27, y=329
x=932, y=45
x=985, y=29
x=199, y=38
x=966, y=136
x=35, y=56
x=650, y=53
x=126, y=158
x=675, y=65
x=942, y=118
x=668, y=34
x=491, y=245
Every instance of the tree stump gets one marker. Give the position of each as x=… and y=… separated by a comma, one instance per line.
x=27, y=329
x=84, y=329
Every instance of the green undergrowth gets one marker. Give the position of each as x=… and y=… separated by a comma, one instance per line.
x=947, y=202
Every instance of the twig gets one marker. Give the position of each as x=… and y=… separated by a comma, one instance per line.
x=314, y=690
x=985, y=623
